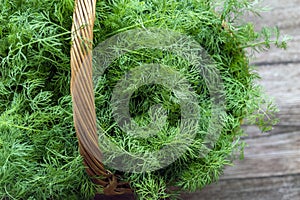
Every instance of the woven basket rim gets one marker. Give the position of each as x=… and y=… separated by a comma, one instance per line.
x=82, y=94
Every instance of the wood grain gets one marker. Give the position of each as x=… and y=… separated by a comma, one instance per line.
x=286, y=16
x=275, y=155
x=265, y=188
x=282, y=82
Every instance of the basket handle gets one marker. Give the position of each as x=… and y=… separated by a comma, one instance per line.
x=83, y=98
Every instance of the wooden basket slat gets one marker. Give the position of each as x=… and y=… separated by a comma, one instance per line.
x=83, y=98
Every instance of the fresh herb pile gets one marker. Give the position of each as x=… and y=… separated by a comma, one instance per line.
x=39, y=156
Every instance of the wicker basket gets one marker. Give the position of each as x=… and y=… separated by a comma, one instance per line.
x=83, y=99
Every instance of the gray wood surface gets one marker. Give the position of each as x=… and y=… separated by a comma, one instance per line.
x=271, y=167
x=285, y=14
x=265, y=188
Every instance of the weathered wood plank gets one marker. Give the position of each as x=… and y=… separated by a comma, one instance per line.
x=266, y=188
x=289, y=121
x=282, y=82
x=268, y=156
x=286, y=16
x=254, y=132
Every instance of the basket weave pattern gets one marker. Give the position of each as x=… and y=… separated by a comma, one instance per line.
x=83, y=98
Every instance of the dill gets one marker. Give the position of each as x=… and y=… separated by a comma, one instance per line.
x=39, y=156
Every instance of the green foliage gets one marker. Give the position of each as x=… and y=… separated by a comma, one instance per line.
x=38, y=148
x=39, y=156
x=217, y=27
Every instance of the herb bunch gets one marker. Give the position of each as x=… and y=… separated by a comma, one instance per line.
x=39, y=156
